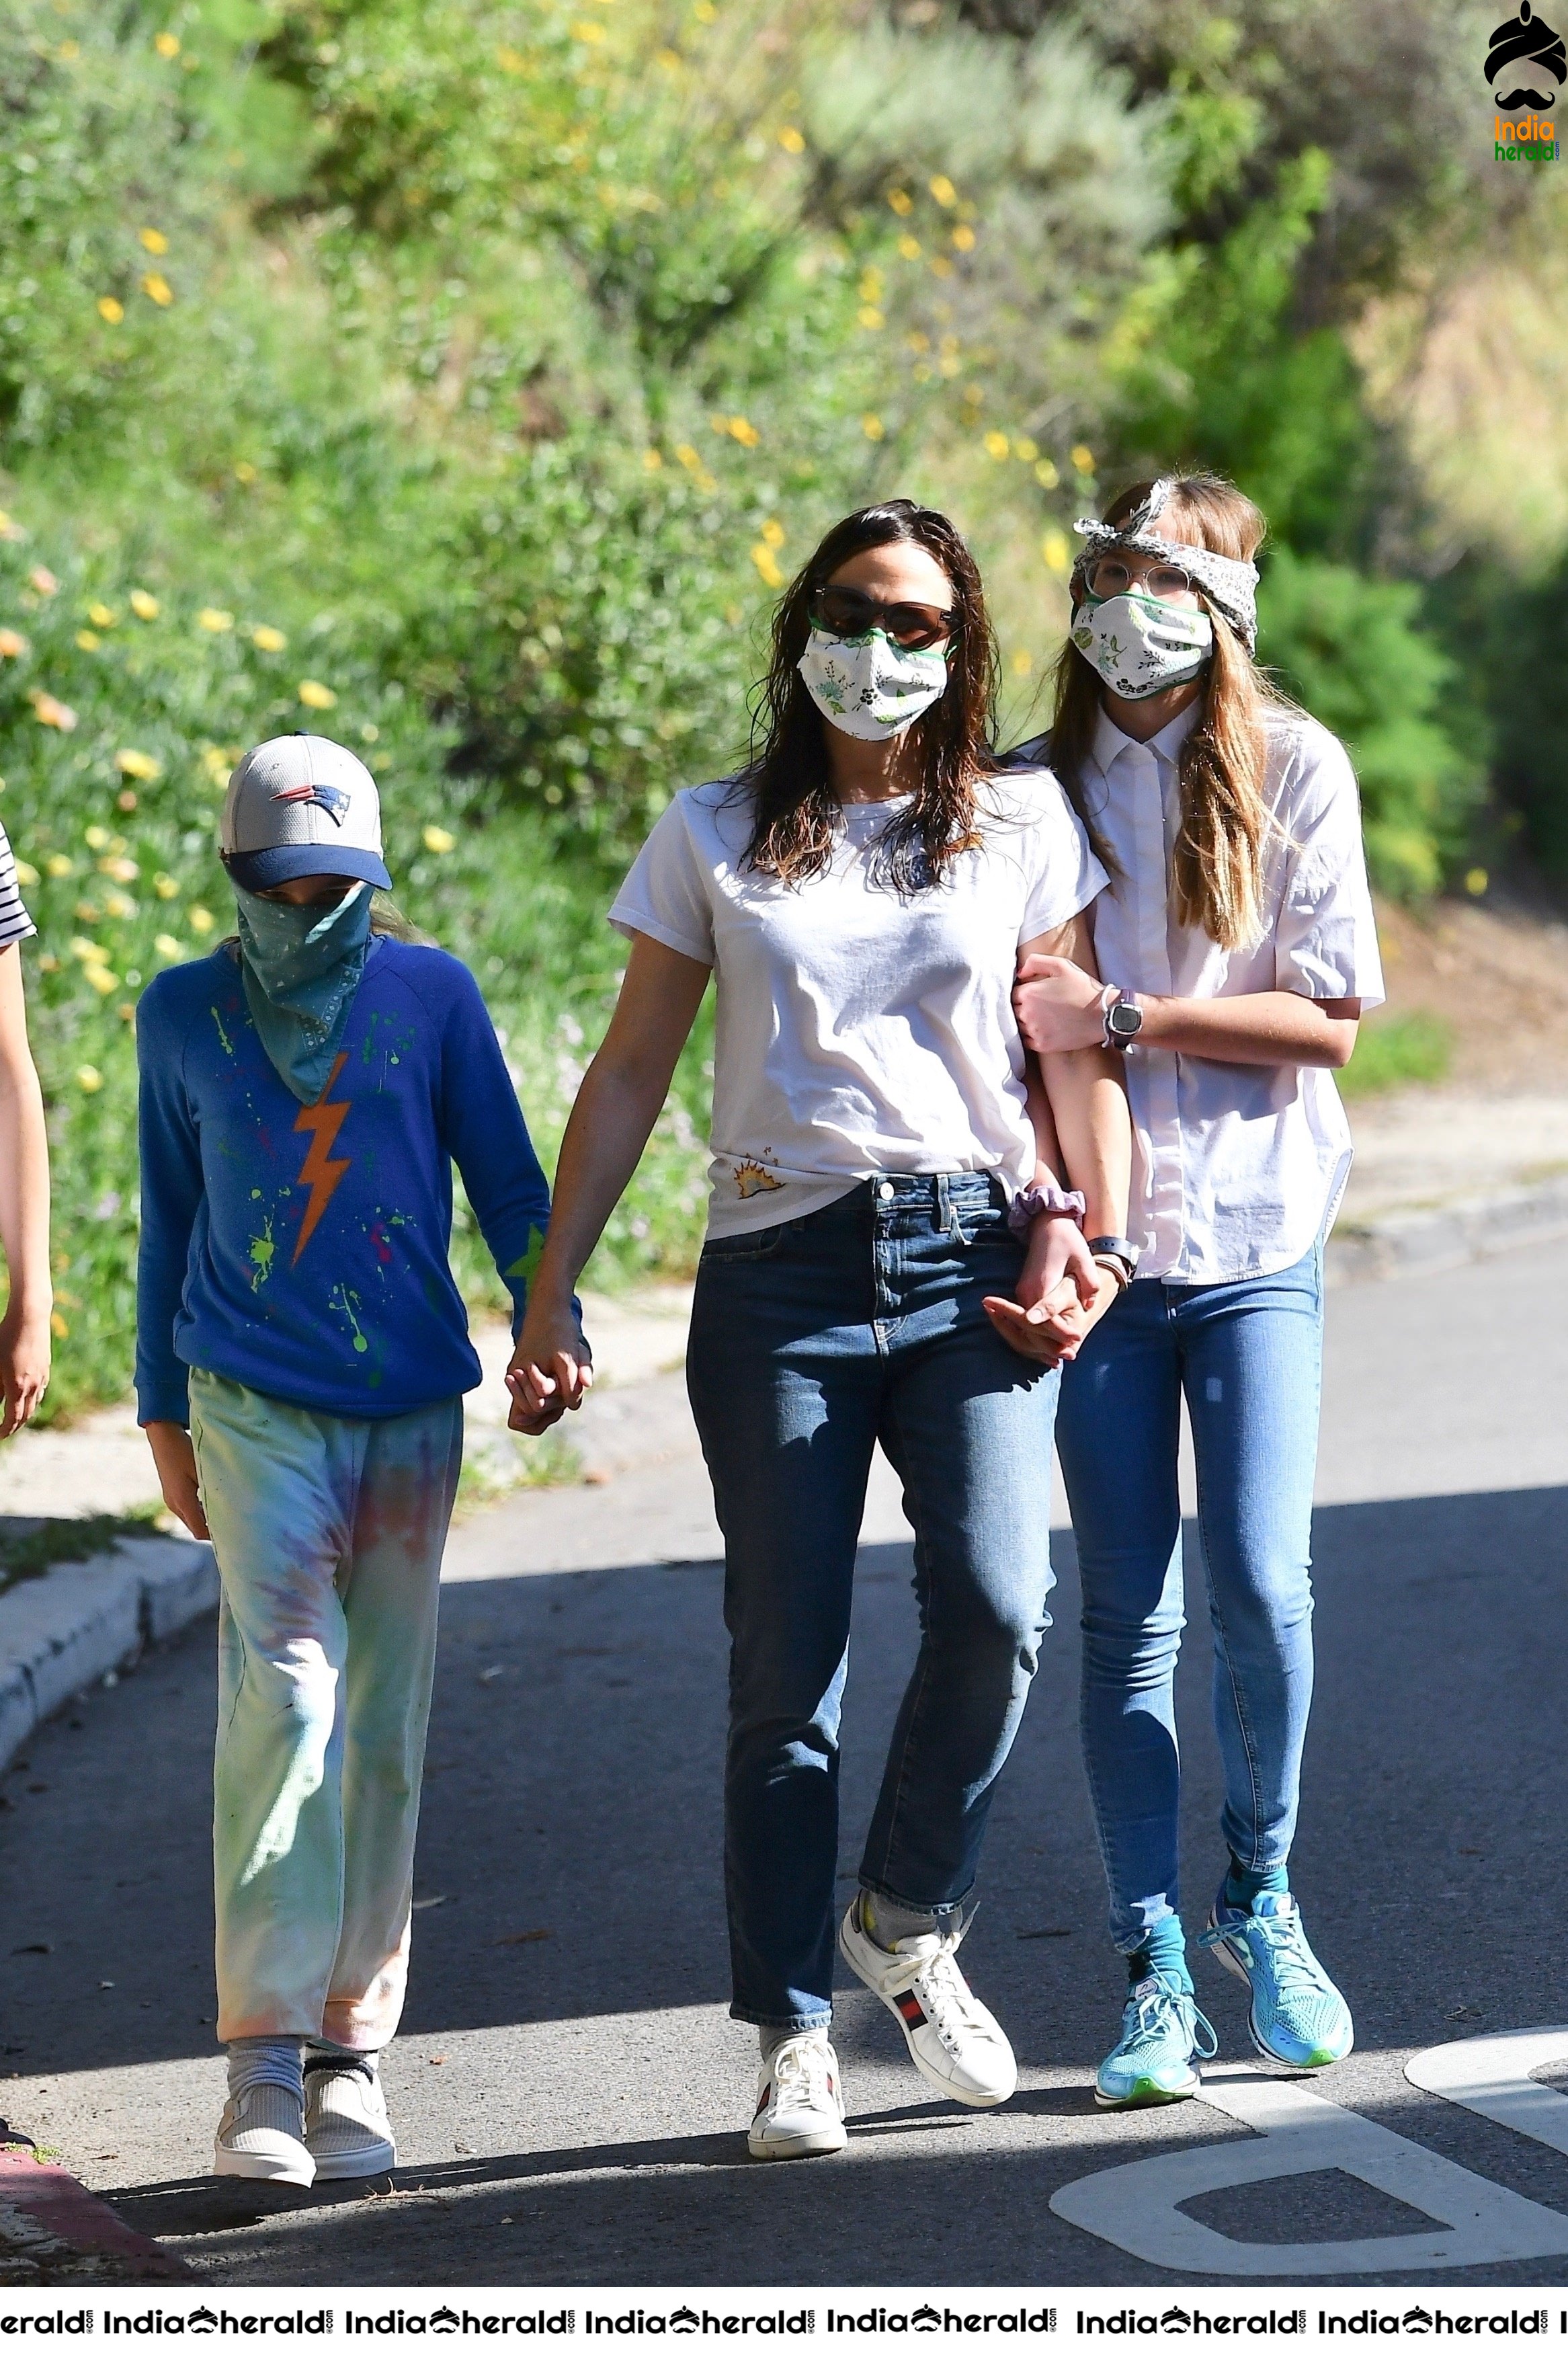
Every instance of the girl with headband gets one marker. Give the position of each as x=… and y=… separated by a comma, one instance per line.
x=886, y=1233
x=1238, y=949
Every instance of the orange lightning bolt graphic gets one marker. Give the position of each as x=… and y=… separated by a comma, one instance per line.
x=321, y=1121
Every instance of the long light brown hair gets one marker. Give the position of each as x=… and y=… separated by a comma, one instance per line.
x=796, y=819
x=1217, y=866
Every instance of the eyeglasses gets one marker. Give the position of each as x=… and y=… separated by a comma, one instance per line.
x=849, y=613
x=1109, y=576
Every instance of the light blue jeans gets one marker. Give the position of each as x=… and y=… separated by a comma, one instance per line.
x=811, y=1341
x=1247, y=1356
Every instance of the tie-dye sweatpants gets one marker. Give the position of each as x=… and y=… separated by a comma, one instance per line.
x=329, y=1536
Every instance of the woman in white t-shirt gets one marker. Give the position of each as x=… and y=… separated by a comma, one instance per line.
x=862, y=893
x=1238, y=949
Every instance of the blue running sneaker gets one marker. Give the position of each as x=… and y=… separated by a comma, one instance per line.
x=1161, y=2031
x=1299, y=2014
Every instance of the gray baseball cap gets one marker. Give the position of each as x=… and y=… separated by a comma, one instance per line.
x=302, y=805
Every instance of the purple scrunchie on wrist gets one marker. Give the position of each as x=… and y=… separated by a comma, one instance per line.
x=1042, y=1201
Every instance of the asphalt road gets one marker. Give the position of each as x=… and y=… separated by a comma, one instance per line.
x=569, y=2093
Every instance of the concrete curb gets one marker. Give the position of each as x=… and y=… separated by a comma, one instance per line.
x=84, y=1618
x=1449, y=1234
x=54, y=2233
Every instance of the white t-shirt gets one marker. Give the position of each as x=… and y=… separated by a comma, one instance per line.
x=1238, y=1166
x=860, y=1034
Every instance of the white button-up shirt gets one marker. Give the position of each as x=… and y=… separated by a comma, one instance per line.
x=1238, y=1167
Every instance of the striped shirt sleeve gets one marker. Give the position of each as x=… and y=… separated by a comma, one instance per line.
x=16, y=924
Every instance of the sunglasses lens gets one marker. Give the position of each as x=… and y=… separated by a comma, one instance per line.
x=916, y=627
x=844, y=612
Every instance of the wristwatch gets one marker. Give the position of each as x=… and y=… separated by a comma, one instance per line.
x=1123, y=1020
x=1121, y=1255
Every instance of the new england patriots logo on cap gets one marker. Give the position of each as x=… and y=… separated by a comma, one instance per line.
x=331, y=797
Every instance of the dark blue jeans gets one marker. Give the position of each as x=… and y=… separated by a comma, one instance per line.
x=810, y=1342
x=1247, y=1356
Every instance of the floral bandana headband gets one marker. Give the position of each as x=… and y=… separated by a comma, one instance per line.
x=1230, y=585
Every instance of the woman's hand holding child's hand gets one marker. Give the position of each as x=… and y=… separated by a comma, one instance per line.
x=552, y=1369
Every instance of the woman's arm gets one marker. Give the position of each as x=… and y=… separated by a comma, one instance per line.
x=1059, y=1009
x=24, y=1209
x=621, y=1095
x=1086, y=1121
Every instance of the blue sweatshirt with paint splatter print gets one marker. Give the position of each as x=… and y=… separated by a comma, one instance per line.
x=302, y=1248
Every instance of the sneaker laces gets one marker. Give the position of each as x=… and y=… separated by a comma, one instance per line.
x=802, y=2076
x=1295, y=1970
x=1152, y=1995
x=947, y=2000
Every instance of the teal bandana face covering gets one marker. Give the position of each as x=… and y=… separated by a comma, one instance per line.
x=301, y=966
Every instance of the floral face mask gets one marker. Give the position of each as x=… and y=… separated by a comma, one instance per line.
x=868, y=686
x=1141, y=646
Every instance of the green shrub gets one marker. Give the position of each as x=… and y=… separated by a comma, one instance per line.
x=1397, y=1049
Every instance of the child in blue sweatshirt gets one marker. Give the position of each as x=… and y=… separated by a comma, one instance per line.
x=301, y=1355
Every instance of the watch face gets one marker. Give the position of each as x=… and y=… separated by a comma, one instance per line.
x=1125, y=1020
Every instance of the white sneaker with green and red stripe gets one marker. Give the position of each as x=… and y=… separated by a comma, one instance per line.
x=800, y=2101
x=953, y=2039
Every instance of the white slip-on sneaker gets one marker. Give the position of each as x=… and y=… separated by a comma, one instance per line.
x=261, y=2136
x=800, y=2102
x=953, y=2039
x=346, y=2127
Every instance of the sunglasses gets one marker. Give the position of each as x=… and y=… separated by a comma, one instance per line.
x=849, y=613
x=1109, y=576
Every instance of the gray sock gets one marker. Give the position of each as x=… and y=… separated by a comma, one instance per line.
x=888, y=1924
x=264, y=2059
x=770, y=2037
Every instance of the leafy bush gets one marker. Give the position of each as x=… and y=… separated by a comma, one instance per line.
x=1397, y=1049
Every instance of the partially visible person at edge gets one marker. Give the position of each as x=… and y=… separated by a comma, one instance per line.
x=1238, y=951
x=25, y=1329
x=305, y=1089
x=874, y=1268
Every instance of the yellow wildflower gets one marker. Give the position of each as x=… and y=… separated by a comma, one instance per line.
x=89, y=950
x=1022, y=663
x=940, y=267
x=25, y=875
x=108, y=309
x=88, y=640
x=942, y=189
x=157, y=289
x=872, y=427
x=704, y=11
x=689, y=457
x=1047, y=475
x=69, y=52
x=119, y=870
x=743, y=431
x=668, y=58
x=154, y=239
x=1025, y=448
x=996, y=445
x=771, y=533
x=652, y=460
x=871, y=285
x=1081, y=457
x=792, y=141
x=245, y=472
x=166, y=44
x=48, y=713
x=267, y=639
x=903, y=203
x=144, y=606
x=436, y=838
x=315, y=696
x=43, y=580
x=217, y=763
x=118, y=906
x=59, y=866
x=963, y=240
x=86, y=912
x=168, y=947
x=1476, y=882
x=12, y=644
x=57, y=1324
x=165, y=886
x=96, y=837
x=200, y=918
x=1054, y=548
x=214, y=618
x=510, y=60
x=98, y=976
x=47, y=962
x=139, y=765
x=871, y=317
x=910, y=247
x=767, y=563
x=102, y=616
x=592, y=34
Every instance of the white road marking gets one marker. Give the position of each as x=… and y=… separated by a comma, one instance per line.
x=1134, y=2207
x=1489, y=2074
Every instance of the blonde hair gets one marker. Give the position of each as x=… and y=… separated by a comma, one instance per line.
x=1216, y=865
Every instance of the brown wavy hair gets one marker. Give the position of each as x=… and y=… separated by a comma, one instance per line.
x=797, y=817
x=1217, y=866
